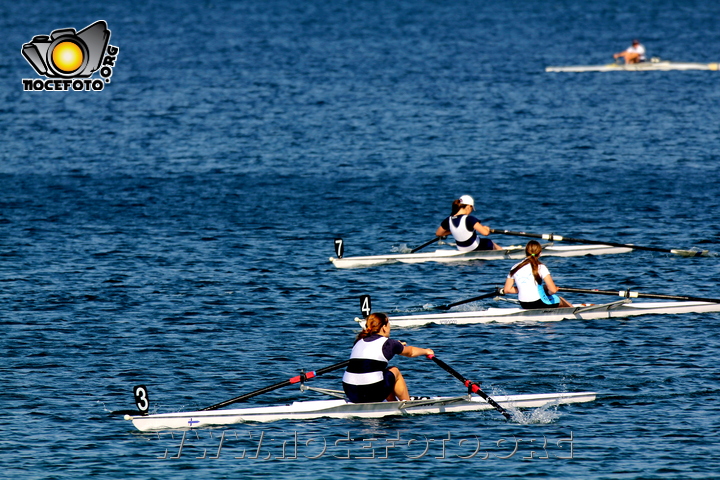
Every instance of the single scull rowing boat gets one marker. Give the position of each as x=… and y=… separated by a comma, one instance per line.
x=449, y=256
x=618, y=309
x=341, y=408
x=661, y=65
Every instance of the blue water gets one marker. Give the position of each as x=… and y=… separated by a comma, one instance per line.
x=174, y=230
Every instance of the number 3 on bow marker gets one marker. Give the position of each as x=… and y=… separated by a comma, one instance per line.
x=142, y=401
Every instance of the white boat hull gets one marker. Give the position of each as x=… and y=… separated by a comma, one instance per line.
x=344, y=409
x=449, y=256
x=618, y=309
x=636, y=67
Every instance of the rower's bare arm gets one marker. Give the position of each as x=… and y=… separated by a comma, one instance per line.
x=411, y=352
x=550, y=287
x=509, y=286
x=482, y=229
x=441, y=232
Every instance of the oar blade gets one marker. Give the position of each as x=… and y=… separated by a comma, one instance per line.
x=690, y=253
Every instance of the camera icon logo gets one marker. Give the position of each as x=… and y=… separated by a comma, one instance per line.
x=66, y=53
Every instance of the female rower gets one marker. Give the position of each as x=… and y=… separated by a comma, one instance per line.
x=532, y=281
x=368, y=378
x=465, y=228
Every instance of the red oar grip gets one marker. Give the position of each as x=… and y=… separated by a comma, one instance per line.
x=302, y=378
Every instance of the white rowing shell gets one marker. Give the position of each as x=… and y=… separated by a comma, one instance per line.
x=448, y=256
x=344, y=409
x=636, y=67
x=618, y=309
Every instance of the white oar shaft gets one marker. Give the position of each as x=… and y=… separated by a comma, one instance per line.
x=559, y=238
x=631, y=294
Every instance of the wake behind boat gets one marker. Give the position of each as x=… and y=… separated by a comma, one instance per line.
x=653, y=65
x=341, y=408
x=452, y=256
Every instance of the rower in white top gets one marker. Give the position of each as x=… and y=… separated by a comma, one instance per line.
x=532, y=281
x=635, y=53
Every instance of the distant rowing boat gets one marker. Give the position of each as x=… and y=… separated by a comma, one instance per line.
x=617, y=309
x=341, y=408
x=659, y=65
x=449, y=256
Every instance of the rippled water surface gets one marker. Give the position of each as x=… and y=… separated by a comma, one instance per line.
x=174, y=230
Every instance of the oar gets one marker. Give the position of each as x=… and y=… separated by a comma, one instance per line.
x=429, y=242
x=472, y=386
x=297, y=379
x=558, y=238
x=450, y=305
x=629, y=294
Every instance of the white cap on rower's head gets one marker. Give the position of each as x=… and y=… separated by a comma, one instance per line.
x=467, y=200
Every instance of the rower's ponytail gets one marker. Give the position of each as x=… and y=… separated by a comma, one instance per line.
x=456, y=206
x=532, y=250
x=373, y=324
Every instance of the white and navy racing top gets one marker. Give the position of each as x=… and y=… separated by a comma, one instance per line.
x=369, y=358
x=463, y=231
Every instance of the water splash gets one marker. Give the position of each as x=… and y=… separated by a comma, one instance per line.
x=104, y=407
x=537, y=416
x=470, y=307
x=414, y=309
x=544, y=415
